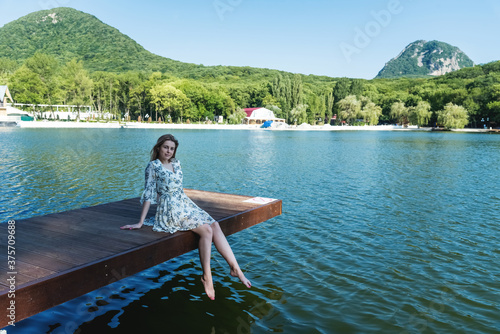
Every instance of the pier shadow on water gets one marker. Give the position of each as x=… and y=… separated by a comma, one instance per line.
x=159, y=300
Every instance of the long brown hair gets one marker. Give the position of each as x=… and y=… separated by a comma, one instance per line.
x=155, y=152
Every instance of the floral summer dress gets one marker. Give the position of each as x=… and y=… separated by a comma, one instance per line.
x=175, y=211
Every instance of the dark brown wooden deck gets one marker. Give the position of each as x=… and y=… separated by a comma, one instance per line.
x=64, y=255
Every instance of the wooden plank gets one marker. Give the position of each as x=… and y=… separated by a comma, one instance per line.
x=32, y=271
x=77, y=221
x=21, y=278
x=52, y=262
x=79, y=238
x=82, y=250
x=71, y=248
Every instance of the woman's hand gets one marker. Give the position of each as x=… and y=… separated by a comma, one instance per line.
x=131, y=227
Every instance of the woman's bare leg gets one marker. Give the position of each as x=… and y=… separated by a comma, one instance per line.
x=204, y=248
x=225, y=250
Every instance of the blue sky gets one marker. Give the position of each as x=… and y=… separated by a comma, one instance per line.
x=334, y=38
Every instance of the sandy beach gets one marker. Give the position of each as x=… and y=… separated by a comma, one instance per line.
x=302, y=127
x=135, y=125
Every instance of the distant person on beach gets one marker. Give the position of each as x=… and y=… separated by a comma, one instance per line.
x=177, y=212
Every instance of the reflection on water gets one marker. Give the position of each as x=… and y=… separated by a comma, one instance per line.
x=175, y=296
x=392, y=232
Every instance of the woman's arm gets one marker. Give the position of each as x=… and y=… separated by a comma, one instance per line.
x=145, y=209
x=149, y=195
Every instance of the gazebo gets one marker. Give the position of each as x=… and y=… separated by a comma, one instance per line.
x=4, y=95
x=259, y=116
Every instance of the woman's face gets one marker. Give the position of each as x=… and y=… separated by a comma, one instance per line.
x=167, y=150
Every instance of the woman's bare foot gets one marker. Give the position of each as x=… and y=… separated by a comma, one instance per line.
x=238, y=273
x=209, y=287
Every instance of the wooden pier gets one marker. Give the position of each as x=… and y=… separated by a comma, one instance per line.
x=64, y=255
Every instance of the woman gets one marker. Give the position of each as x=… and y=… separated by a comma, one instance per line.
x=176, y=212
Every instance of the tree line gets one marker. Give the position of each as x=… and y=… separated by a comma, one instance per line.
x=468, y=97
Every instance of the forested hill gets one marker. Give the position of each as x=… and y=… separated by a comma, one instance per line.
x=67, y=33
x=422, y=58
x=64, y=56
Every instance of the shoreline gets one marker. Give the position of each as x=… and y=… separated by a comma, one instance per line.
x=135, y=125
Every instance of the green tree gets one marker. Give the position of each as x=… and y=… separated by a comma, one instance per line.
x=330, y=100
x=197, y=94
x=130, y=85
x=105, y=92
x=140, y=98
x=420, y=114
x=7, y=68
x=296, y=89
x=370, y=112
x=241, y=94
x=27, y=87
x=298, y=114
x=169, y=101
x=218, y=102
x=316, y=109
x=493, y=105
x=46, y=67
x=288, y=91
x=270, y=100
x=281, y=90
x=248, y=95
x=473, y=109
x=453, y=116
x=76, y=83
x=399, y=112
x=237, y=117
x=356, y=87
x=341, y=89
x=349, y=108
x=36, y=81
x=371, y=91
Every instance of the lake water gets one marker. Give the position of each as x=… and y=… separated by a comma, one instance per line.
x=381, y=232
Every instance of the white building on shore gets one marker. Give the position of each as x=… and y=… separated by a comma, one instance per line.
x=260, y=115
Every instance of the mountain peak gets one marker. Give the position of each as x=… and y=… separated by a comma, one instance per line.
x=68, y=33
x=423, y=58
x=52, y=16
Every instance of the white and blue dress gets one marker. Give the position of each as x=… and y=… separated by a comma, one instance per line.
x=175, y=211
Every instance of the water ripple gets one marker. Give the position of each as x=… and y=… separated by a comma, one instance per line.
x=380, y=232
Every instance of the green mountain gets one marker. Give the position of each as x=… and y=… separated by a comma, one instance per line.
x=67, y=33
x=422, y=58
